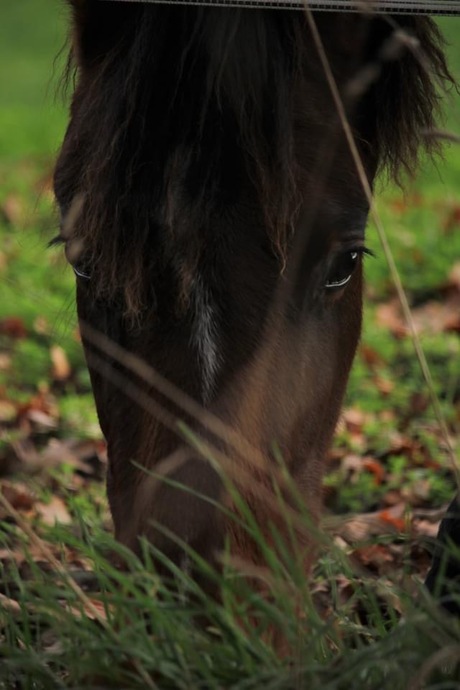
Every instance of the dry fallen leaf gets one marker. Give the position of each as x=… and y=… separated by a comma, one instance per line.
x=392, y=497
x=94, y=610
x=392, y=516
x=42, y=420
x=9, y=605
x=454, y=276
x=425, y=528
x=353, y=465
x=41, y=409
x=438, y=317
x=452, y=220
x=53, y=512
x=418, y=492
x=5, y=361
x=12, y=210
x=61, y=369
x=389, y=316
x=356, y=528
x=87, y=457
x=18, y=494
x=13, y=327
x=7, y=411
x=384, y=385
x=354, y=419
x=375, y=555
x=41, y=326
x=377, y=469
x=433, y=316
x=370, y=356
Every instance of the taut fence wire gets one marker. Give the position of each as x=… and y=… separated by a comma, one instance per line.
x=433, y=7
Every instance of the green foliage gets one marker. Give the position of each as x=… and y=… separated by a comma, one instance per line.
x=31, y=35
x=78, y=415
x=136, y=632
x=31, y=363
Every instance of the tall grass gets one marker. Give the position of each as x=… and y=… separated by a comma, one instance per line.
x=126, y=628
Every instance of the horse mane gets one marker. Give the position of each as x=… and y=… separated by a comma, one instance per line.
x=163, y=141
x=413, y=78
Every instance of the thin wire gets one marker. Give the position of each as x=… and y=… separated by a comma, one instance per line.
x=439, y=7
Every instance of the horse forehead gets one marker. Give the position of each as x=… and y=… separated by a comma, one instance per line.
x=347, y=215
x=332, y=226
x=337, y=203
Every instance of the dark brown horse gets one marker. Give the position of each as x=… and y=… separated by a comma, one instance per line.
x=215, y=216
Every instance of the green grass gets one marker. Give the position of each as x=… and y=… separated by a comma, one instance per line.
x=362, y=642
x=31, y=36
x=134, y=627
x=37, y=286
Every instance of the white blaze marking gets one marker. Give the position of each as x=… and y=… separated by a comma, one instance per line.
x=204, y=337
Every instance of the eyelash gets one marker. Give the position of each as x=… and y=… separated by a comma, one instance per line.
x=58, y=241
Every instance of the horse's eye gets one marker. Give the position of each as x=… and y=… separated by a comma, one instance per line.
x=80, y=265
x=342, y=270
x=81, y=271
x=76, y=258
